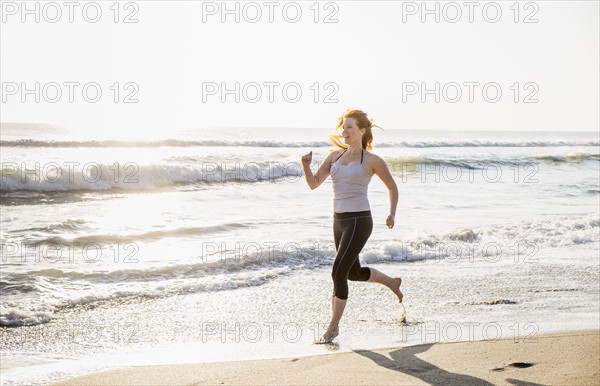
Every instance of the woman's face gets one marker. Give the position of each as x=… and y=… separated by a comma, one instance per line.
x=351, y=132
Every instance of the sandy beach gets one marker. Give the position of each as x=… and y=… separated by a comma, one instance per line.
x=193, y=192
x=568, y=358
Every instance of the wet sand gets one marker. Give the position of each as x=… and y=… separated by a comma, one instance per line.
x=571, y=358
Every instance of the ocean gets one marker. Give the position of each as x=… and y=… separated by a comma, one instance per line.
x=207, y=245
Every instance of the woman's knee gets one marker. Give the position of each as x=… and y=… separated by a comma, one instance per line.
x=354, y=276
x=341, y=292
x=359, y=275
x=339, y=276
x=340, y=285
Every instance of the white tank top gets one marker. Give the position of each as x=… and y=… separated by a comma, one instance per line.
x=350, y=183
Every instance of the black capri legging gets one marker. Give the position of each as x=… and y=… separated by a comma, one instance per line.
x=351, y=230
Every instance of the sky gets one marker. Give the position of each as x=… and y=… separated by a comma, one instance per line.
x=150, y=67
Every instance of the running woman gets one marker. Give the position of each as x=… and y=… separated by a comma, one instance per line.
x=351, y=168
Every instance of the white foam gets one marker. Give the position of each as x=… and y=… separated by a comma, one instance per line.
x=274, y=143
x=101, y=177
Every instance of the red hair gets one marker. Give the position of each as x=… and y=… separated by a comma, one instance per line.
x=362, y=121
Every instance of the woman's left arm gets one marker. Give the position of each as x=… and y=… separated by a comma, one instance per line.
x=382, y=171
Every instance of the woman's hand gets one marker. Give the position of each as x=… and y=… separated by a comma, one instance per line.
x=307, y=159
x=390, y=221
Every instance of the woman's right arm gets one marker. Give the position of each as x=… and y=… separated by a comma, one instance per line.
x=315, y=180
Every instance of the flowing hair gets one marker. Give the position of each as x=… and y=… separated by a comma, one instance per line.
x=362, y=121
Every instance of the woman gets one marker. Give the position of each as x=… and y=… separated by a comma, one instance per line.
x=351, y=168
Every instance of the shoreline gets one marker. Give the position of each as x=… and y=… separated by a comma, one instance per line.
x=251, y=323
x=571, y=357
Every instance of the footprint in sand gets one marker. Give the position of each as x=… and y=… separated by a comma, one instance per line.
x=518, y=365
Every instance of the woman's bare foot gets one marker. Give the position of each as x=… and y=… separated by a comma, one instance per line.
x=396, y=288
x=330, y=334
